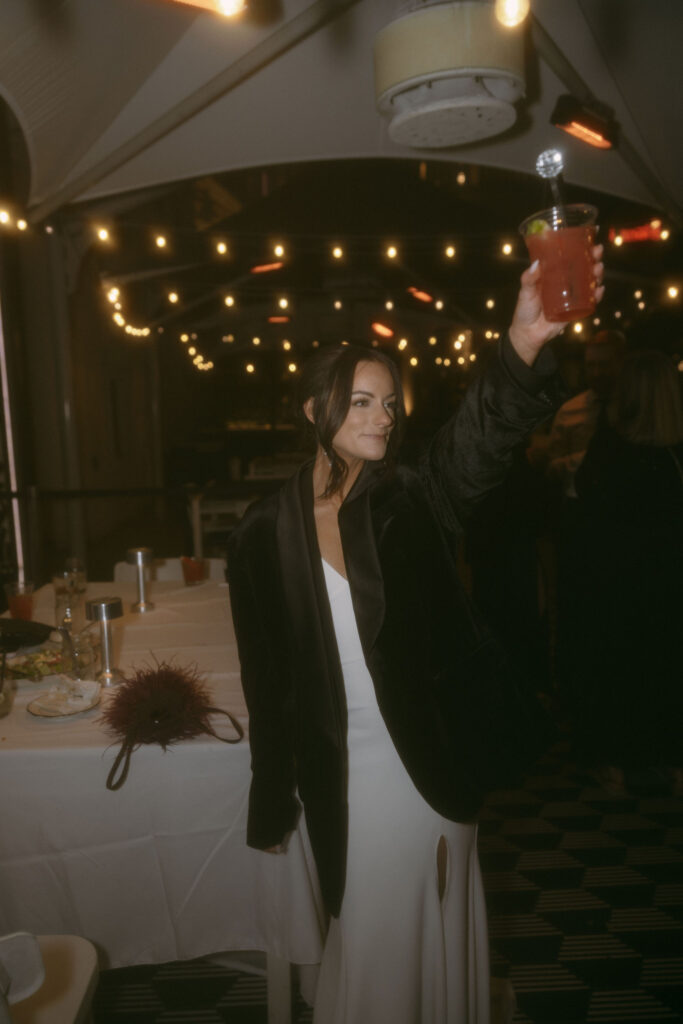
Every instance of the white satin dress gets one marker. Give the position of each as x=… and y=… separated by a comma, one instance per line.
x=398, y=954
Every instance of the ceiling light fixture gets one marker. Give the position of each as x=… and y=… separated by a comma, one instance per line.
x=228, y=8
x=511, y=12
x=592, y=123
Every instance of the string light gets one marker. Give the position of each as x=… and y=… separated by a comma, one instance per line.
x=403, y=343
x=103, y=234
x=450, y=251
x=388, y=304
x=337, y=252
x=160, y=242
x=490, y=303
x=578, y=328
x=292, y=367
x=250, y=367
x=461, y=178
x=283, y=303
x=438, y=360
x=672, y=291
x=4, y=217
x=472, y=357
x=392, y=252
x=382, y=330
x=229, y=300
x=438, y=304
x=446, y=361
x=506, y=248
x=413, y=360
x=457, y=344
x=256, y=341
x=113, y=294
x=184, y=338
x=286, y=345
x=337, y=304
x=279, y=250
x=664, y=234
x=432, y=340
x=618, y=240
x=192, y=350
x=21, y=224
x=221, y=248
x=173, y=297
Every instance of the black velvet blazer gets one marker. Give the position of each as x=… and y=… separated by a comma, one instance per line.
x=415, y=623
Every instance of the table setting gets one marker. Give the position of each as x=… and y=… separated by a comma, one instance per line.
x=156, y=869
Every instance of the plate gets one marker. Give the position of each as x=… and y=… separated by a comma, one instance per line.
x=58, y=702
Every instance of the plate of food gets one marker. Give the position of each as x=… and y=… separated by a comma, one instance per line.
x=46, y=660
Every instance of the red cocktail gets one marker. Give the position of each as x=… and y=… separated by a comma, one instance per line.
x=561, y=239
x=194, y=570
x=20, y=600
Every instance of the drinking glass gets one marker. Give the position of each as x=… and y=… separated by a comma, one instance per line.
x=20, y=599
x=194, y=570
x=561, y=239
x=69, y=605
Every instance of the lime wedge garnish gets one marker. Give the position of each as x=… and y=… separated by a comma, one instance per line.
x=537, y=227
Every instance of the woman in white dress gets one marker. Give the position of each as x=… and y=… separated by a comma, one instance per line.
x=354, y=635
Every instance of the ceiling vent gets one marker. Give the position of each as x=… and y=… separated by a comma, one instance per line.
x=447, y=74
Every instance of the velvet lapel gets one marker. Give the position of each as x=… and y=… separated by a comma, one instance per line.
x=304, y=582
x=362, y=561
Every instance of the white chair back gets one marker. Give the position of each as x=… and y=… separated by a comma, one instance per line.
x=46, y=979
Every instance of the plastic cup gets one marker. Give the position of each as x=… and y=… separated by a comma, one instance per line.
x=561, y=239
x=20, y=600
x=194, y=570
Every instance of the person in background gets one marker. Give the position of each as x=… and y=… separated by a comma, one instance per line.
x=630, y=486
x=352, y=629
x=558, y=456
x=576, y=420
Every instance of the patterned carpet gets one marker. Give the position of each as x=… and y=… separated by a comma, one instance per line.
x=585, y=895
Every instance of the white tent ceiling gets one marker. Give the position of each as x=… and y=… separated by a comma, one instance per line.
x=115, y=95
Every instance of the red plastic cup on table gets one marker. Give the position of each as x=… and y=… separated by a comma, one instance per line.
x=20, y=599
x=561, y=239
x=194, y=570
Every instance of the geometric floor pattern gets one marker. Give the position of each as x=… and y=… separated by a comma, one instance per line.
x=585, y=901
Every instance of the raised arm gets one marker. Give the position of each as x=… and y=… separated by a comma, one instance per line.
x=471, y=454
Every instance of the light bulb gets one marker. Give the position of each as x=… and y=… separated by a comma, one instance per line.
x=511, y=12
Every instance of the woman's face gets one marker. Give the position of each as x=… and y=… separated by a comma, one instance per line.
x=365, y=431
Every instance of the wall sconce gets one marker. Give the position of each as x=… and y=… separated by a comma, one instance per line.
x=592, y=124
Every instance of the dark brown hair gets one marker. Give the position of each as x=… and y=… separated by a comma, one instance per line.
x=327, y=378
x=646, y=404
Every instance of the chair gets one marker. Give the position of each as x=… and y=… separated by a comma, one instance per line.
x=167, y=569
x=46, y=979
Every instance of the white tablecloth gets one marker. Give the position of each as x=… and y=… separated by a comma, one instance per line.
x=158, y=870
